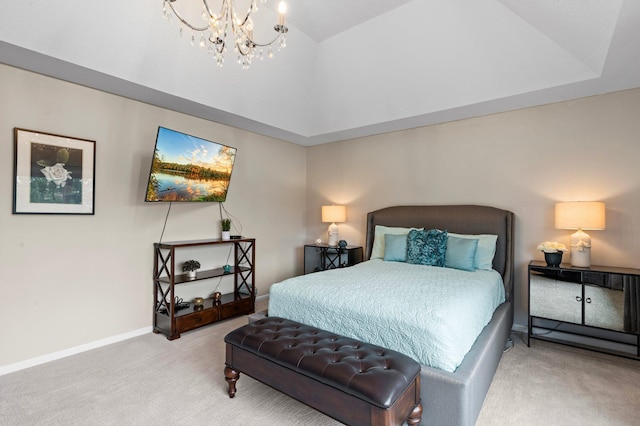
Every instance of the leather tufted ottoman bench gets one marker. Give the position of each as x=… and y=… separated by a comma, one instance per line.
x=354, y=382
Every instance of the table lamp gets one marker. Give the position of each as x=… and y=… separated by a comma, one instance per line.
x=580, y=215
x=333, y=214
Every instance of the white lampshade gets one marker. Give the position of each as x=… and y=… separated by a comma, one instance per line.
x=333, y=214
x=580, y=215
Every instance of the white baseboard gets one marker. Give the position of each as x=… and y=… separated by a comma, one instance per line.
x=72, y=351
x=82, y=348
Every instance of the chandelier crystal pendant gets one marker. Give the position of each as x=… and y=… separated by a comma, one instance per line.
x=212, y=33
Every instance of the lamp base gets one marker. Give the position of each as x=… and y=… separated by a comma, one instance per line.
x=580, y=249
x=581, y=258
x=333, y=235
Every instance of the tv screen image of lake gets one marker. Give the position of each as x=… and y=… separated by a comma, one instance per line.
x=177, y=186
x=188, y=168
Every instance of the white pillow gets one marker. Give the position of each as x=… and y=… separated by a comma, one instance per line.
x=486, y=249
x=377, y=251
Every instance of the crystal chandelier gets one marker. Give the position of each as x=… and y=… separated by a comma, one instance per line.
x=213, y=31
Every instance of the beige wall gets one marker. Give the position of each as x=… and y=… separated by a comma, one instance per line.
x=523, y=161
x=72, y=280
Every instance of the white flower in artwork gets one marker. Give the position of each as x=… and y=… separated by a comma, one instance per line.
x=56, y=174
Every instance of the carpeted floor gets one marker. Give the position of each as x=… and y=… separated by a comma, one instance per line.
x=551, y=384
x=149, y=380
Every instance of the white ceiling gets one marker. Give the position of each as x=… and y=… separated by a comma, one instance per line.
x=321, y=19
x=351, y=68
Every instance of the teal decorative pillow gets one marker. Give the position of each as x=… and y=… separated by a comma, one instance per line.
x=461, y=253
x=427, y=247
x=486, y=249
x=415, y=242
x=395, y=248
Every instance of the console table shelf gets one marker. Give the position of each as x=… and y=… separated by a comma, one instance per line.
x=202, y=275
x=172, y=321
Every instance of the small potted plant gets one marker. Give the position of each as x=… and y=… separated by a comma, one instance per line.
x=553, y=252
x=226, y=229
x=190, y=267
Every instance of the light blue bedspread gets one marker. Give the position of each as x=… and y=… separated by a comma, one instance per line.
x=431, y=314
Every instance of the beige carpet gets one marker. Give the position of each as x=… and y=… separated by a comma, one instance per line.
x=148, y=380
x=551, y=384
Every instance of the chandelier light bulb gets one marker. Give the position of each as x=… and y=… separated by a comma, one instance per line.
x=282, y=9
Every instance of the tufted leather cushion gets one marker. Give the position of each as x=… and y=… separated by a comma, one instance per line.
x=371, y=373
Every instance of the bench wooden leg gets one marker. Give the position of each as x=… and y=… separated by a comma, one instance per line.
x=415, y=415
x=231, y=376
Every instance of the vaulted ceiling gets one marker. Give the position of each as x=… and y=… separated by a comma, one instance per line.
x=351, y=68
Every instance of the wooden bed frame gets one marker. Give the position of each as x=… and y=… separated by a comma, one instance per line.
x=456, y=398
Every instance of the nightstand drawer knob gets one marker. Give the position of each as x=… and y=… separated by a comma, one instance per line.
x=588, y=300
x=578, y=299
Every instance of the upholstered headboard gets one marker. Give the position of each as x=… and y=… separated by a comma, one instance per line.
x=464, y=219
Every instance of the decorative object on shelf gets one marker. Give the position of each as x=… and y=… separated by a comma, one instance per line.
x=181, y=304
x=553, y=252
x=216, y=296
x=580, y=215
x=226, y=269
x=53, y=174
x=333, y=214
x=318, y=240
x=198, y=301
x=342, y=243
x=553, y=259
x=226, y=229
x=213, y=33
x=190, y=267
x=178, y=305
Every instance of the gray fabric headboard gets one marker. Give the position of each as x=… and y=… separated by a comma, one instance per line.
x=463, y=219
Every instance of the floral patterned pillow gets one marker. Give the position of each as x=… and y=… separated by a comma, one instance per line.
x=427, y=247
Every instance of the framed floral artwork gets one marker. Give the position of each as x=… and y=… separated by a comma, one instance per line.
x=53, y=174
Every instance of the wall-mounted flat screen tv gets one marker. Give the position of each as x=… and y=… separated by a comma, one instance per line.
x=187, y=168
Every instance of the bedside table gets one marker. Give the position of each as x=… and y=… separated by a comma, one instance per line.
x=319, y=257
x=593, y=308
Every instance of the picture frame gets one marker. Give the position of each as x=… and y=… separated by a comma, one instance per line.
x=53, y=174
